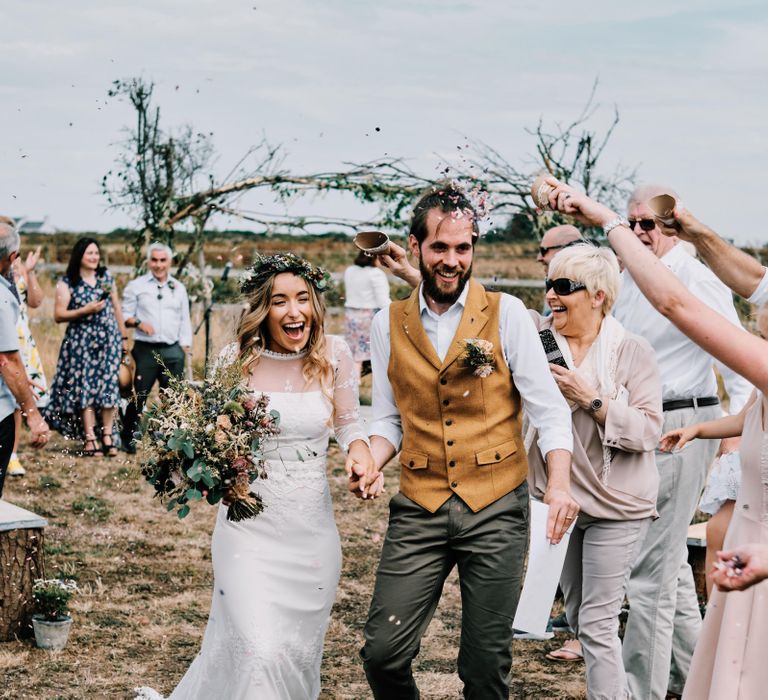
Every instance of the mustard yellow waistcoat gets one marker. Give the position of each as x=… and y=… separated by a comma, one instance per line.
x=461, y=433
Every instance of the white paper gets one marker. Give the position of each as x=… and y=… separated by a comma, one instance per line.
x=545, y=563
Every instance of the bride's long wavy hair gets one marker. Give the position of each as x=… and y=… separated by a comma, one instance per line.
x=252, y=335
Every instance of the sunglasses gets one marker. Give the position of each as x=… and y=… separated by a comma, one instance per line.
x=563, y=286
x=544, y=250
x=645, y=224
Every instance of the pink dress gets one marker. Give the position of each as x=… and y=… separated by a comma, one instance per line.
x=731, y=657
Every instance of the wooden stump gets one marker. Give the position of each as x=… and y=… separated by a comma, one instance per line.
x=21, y=562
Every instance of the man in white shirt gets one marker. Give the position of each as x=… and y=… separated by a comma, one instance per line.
x=664, y=619
x=463, y=498
x=157, y=306
x=14, y=383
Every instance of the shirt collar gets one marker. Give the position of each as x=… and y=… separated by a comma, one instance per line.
x=153, y=280
x=461, y=301
x=6, y=282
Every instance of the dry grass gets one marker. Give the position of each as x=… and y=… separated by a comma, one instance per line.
x=146, y=580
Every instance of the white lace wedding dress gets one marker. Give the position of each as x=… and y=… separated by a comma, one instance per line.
x=275, y=576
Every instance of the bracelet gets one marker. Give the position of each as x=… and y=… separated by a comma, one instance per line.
x=613, y=223
x=125, y=337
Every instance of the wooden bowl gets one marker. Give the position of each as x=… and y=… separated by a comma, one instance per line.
x=372, y=242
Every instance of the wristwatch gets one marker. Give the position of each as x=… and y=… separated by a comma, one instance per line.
x=595, y=404
x=613, y=223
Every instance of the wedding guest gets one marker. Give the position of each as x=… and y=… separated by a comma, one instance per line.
x=455, y=422
x=613, y=388
x=14, y=383
x=664, y=618
x=157, y=306
x=30, y=297
x=366, y=290
x=555, y=239
x=85, y=382
x=729, y=661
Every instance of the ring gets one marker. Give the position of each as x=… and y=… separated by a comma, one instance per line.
x=569, y=517
x=567, y=195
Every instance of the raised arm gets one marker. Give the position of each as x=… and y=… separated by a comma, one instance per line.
x=744, y=353
x=740, y=271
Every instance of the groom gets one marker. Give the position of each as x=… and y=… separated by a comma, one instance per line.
x=463, y=497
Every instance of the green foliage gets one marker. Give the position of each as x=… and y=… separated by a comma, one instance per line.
x=92, y=507
x=52, y=596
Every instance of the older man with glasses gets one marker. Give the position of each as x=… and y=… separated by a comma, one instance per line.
x=554, y=239
x=157, y=306
x=664, y=619
x=14, y=383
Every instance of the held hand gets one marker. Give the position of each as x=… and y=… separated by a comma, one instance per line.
x=563, y=510
x=360, y=469
x=573, y=386
x=741, y=567
x=675, y=440
x=37, y=389
x=396, y=261
x=566, y=199
x=145, y=328
x=33, y=257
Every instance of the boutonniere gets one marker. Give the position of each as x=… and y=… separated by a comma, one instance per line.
x=171, y=285
x=478, y=354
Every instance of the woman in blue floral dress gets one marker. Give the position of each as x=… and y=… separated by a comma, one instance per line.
x=86, y=374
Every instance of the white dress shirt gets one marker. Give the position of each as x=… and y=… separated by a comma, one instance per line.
x=760, y=295
x=544, y=404
x=365, y=288
x=686, y=369
x=168, y=315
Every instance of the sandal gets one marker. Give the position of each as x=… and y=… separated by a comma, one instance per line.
x=566, y=653
x=95, y=451
x=111, y=448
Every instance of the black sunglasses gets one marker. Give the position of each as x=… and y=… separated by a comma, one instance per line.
x=645, y=224
x=563, y=286
x=544, y=250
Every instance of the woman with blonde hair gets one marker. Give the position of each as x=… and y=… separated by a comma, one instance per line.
x=275, y=576
x=611, y=382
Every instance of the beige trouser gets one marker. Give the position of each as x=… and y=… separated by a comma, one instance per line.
x=664, y=619
x=597, y=565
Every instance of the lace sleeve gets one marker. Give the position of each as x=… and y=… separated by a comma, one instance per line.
x=346, y=424
x=227, y=356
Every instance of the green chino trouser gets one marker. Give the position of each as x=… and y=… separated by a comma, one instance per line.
x=149, y=370
x=420, y=550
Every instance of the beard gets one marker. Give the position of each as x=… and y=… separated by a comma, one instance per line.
x=433, y=291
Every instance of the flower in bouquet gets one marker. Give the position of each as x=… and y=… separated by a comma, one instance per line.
x=206, y=441
x=51, y=597
x=478, y=355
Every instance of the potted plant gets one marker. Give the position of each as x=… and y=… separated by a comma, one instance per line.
x=51, y=622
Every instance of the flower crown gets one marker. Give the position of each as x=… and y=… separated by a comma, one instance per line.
x=267, y=265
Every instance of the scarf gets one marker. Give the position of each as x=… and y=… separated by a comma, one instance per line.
x=598, y=369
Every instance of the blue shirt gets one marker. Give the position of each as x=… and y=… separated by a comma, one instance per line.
x=9, y=341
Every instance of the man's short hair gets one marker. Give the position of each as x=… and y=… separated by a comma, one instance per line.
x=449, y=198
x=10, y=242
x=159, y=246
x=642, y=193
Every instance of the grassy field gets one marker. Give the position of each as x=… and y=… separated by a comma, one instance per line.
x=146, y=580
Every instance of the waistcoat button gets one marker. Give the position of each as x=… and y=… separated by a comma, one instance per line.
x=452, y=463
x=410, y=464
x=498, y=456
x=450, y=443
x=449, y=422
x=446, y=402
x=443, y=381
x=454, y=484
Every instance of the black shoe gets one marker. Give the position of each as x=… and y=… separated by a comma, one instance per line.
x=127, y=446
x=560, y=624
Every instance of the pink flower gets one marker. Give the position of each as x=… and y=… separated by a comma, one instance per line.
x=249, y=404
x=241, y=463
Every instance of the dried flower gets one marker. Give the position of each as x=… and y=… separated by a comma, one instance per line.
x=478, y=355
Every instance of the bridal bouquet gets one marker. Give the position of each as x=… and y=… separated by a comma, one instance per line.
x=205, y=442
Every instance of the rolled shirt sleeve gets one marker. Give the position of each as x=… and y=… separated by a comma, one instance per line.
x=130, y=300
x=545, y=406
x=760, y=295
x=386, y=420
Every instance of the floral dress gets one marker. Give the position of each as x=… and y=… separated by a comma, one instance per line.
x=27, y=347
x=89, y=359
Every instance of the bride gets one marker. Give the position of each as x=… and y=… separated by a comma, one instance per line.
x=275, y=576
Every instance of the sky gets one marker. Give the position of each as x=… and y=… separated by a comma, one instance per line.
x=688, y=78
